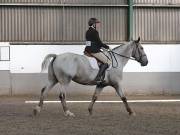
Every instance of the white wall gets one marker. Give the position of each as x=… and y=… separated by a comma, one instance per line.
x=162, y=58
x=4, y=55
x=28, y=58
x=161, y=76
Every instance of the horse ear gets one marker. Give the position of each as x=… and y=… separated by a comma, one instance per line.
x=137, y=41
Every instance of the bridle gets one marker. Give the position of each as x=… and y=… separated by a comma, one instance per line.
x=137, y=51
x=112, y=54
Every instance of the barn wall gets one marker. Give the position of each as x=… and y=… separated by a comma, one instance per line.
x=56, y=22
x=66, y=20
x=161, y=76
x=157, y=22
x=167, y=2
x=134, y=83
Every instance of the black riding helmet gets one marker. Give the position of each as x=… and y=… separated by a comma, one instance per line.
x=93, y=21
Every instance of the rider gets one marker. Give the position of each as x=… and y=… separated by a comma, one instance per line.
x=93, y=46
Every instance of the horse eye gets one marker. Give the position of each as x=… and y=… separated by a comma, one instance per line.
x=142, y=48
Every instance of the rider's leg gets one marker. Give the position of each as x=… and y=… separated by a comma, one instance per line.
x=100, y=76
x=101, y=57
x=105, y=64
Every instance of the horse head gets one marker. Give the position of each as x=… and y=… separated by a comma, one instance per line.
x=138, y=53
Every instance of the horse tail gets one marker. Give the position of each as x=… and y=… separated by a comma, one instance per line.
x=47, y=60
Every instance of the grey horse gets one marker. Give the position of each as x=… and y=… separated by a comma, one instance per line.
x=69, y=66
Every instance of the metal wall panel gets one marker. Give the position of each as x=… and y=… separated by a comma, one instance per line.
x=157, y=24
x=60, y=23
x=67, y=1
x=68, y=23
x=95, y=2
x=27, y=24
x=157, y=2
x=113, y=26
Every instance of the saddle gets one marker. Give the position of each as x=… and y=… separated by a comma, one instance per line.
x=99, y=63
x=89, y=56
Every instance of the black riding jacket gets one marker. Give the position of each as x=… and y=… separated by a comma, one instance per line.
x=96, y=43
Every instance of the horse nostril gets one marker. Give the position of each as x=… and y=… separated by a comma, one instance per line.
x=145, y=64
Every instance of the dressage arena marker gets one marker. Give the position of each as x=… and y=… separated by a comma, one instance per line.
x=130, y=101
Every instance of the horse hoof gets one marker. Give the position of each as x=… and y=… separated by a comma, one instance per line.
x=68, y=113
x=90, y=111
x=36, y=110
x=132, y=114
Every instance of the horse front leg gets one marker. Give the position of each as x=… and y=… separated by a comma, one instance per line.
x=97, y=92
x=124, y=99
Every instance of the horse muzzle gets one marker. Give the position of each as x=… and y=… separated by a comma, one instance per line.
x=144, y=61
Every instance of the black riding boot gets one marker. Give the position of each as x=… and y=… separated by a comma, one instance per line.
x=100, y=76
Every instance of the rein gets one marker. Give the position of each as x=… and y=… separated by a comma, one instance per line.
x=123, y=55
x=112, y=54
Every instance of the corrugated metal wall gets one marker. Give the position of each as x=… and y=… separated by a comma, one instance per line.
x=157, y=1
x=66, y=20
x=61, y=23
x=113, y=26
x=67, y=1
x=159, y=22
x=25, y=24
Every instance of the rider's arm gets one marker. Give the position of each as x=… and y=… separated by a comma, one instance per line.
x=98, y=40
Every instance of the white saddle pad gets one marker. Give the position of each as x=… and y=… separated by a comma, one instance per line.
x=93, y=62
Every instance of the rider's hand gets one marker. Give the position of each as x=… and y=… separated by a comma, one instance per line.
x=109, y=49
x=106, y=46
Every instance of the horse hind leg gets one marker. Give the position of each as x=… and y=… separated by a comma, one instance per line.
x=52, y=80
x=62, y=97
x=97, y=92
x=44, y=93
x=37, y=109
